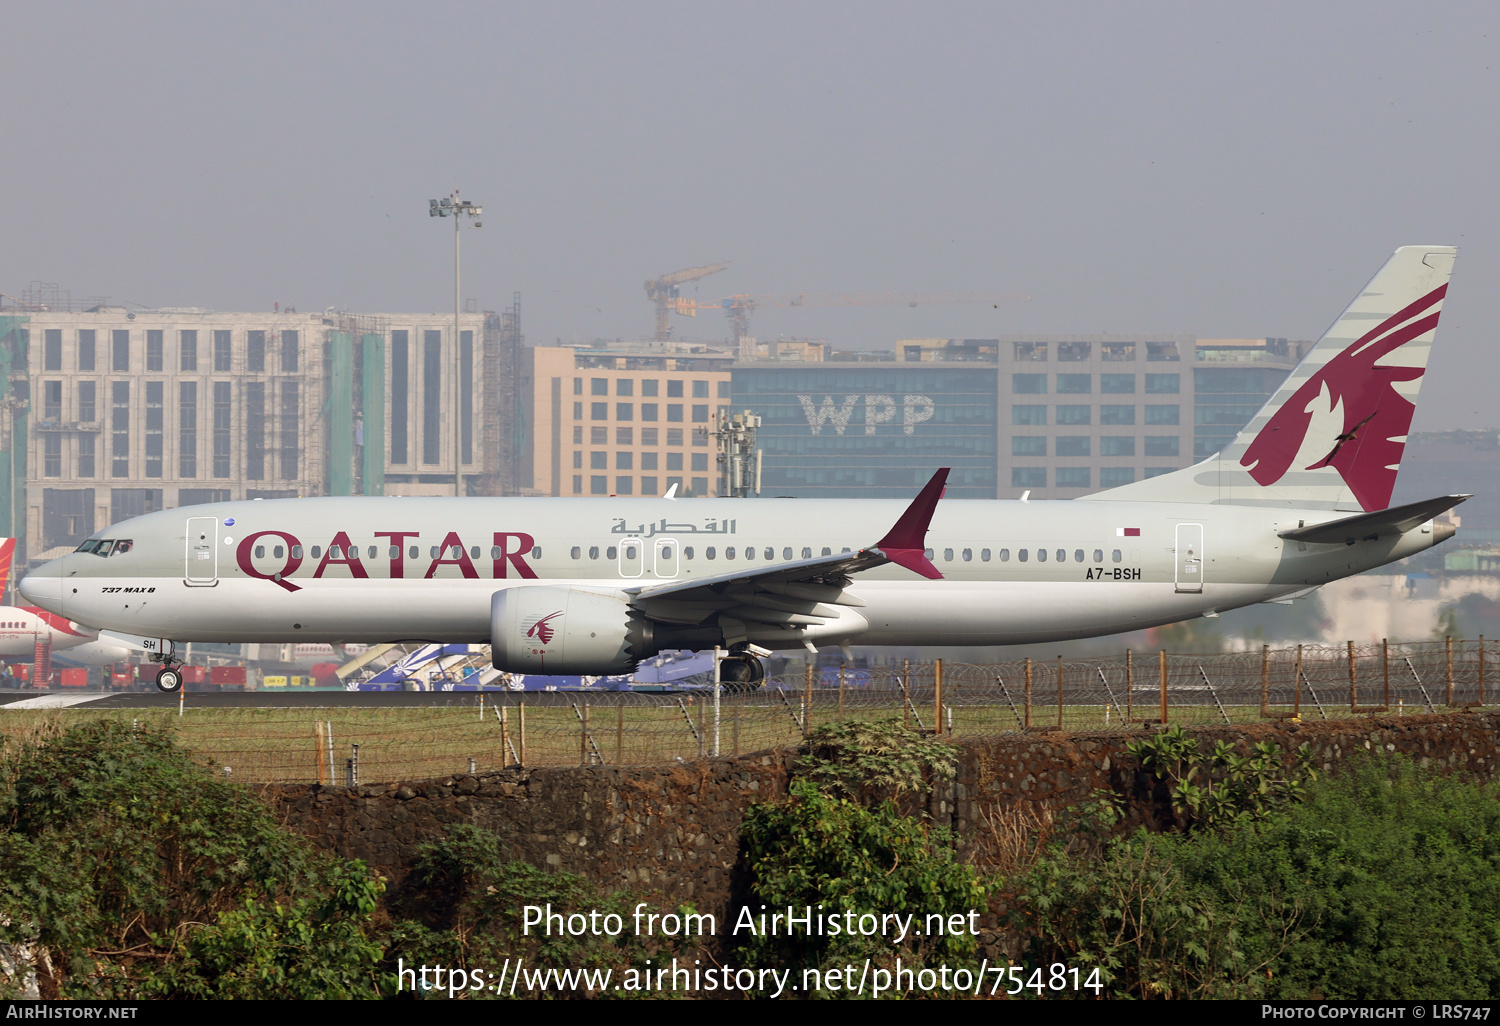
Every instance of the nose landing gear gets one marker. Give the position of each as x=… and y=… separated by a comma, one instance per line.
x=168, y=678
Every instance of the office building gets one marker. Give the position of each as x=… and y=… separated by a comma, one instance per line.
x=1056, y=416
x=622, y=418
x=115, y=412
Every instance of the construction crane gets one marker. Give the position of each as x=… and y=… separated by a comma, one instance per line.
x=663, y=292
x=739, y=308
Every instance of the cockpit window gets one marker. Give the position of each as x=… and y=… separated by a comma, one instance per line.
x=106, y=546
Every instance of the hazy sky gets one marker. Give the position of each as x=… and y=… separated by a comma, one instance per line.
x=1223, y=169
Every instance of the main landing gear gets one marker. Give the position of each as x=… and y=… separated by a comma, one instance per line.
x=741, y=671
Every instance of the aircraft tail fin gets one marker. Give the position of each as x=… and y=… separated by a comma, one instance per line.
x=7, y=553
x=1333, y=434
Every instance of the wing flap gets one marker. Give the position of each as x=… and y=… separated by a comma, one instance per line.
x=832, y=571
x=797, y=593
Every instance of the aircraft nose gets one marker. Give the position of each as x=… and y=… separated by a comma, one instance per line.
x=44, y=589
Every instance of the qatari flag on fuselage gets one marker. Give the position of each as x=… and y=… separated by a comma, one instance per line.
x=1127, y=532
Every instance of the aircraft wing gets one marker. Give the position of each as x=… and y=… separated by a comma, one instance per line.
x=1396, y=520
x=800, y=592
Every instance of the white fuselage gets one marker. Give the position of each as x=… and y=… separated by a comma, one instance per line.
x=261, y=571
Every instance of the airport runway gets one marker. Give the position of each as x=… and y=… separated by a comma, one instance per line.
x=338, y=699
x=326, y=699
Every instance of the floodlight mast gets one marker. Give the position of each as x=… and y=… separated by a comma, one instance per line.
x=457, y=208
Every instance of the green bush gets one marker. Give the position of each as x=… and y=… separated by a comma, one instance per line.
x=466, y=913
x=1135, y=915
x=142, y=873
x=845, y=759
x=1233, y=788
x=1383, y=884
x=817, y=850
x=1396, y=871
x=821, y=849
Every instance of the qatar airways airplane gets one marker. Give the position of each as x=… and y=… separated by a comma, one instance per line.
x=593, y=586
x=23, y=627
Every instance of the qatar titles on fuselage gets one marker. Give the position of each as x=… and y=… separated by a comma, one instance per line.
x=593, y=585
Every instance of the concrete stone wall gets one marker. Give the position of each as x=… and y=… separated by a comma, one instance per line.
x=1055, y=771
x=674, y=830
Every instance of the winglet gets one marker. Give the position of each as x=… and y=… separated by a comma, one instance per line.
x=906, y=542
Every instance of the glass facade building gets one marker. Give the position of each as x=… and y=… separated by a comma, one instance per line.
x=868, y=430
x=1085, y=412
x=1058, y=416
x=1232, y=380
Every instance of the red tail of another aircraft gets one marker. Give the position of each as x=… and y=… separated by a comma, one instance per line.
x=7, y=553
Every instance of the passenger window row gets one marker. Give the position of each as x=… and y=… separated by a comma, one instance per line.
x=748, y=553
x=789, y=553
x=1023, y=555
x=393, y=552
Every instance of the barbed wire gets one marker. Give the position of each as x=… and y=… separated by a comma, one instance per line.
x=338, y=745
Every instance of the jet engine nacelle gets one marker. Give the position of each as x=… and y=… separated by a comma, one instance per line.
x=565, y=630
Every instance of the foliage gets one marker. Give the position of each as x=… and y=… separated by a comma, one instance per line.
x=1132, y=914
x=1448, y=624
x=1383, y=884
x=308, y=948
x=1470, y=616
x=1234, y=788
x=483, y=895
x=835, y=846
x=124, y=859
x=831, y=854
x=1189, y=636
x=1399, y=869
x=843, y=758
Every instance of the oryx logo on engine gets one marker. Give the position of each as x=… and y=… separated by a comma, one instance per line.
x=542, y=630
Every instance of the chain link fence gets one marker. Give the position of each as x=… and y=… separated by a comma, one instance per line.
x=1137, y=689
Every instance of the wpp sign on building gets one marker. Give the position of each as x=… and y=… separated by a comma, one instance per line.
x=871, y=430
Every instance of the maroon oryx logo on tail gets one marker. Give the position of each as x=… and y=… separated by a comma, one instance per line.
x=1364, y=451
x=542, y=630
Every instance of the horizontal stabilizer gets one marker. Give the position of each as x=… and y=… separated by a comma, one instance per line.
x=1397, y=520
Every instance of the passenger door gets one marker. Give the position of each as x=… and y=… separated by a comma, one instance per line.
x=1190, y=557
x=201, y=562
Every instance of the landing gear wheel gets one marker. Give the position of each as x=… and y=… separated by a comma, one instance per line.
x=169, y=680
x=741, y=672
